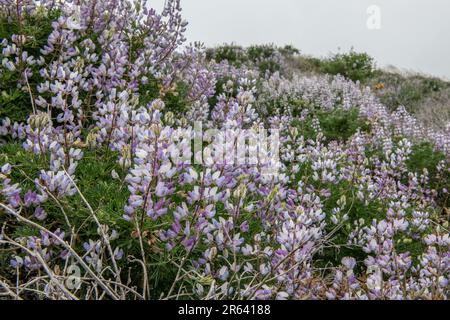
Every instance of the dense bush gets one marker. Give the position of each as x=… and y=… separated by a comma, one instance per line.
x=352, y=65
x=427, y=97
x=15, y=99
x=267, y=59
x=419, y=94
x=233, y=54
x=96, y=201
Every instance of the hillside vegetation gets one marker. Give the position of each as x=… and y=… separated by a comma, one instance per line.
x=97, y=103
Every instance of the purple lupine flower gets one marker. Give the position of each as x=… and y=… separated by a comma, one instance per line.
x=40, y=214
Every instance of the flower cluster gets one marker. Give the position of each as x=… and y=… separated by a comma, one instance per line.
x=346, y=216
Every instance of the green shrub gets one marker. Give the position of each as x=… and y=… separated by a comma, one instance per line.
x=289, y=50
x=235, y=55
x=352, y=65
x=336, y=125
x=341, y=124
x=266, y=58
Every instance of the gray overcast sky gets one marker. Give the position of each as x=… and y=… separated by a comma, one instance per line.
x=414, y=34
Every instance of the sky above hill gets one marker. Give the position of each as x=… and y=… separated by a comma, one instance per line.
x=409, y=34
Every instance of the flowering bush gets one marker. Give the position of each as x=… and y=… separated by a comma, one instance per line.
x=353, y=65
x=267, y=59
x=102, y=196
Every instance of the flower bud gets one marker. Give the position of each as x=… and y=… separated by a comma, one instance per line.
x=169, y=118
x=156, y=129
x=294, y=132
x=158, y=104
x=91, y=139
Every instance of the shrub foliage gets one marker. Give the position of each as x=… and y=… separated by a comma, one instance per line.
x=96, y=97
